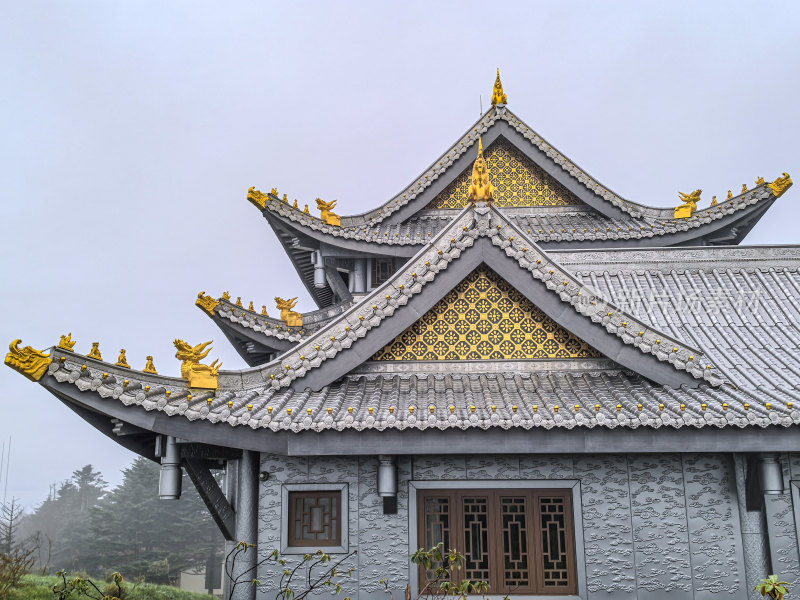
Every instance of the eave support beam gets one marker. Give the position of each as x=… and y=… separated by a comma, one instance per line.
x=213, y=497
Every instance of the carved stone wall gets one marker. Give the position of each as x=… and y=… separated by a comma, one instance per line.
x=654, y=526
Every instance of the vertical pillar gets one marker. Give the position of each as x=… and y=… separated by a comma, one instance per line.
x=319, y=269
x=247, y=524
x=779, y=513
x=360, y=275
x=231, y=485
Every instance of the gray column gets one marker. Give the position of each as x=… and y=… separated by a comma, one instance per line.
x=779, y=513
x=247, y=524
x=231, y=485
x=754, y=541
x=360, y=275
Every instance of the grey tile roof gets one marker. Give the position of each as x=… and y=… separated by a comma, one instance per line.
x=265, y=327
x=645, y=221
x=594, y=398
x=549, y=224
x=606, y=395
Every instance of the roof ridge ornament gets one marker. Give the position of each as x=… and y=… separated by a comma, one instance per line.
x=689, y=206
x=29, y=361
x=498, y=96
x=780, y=185
x=291, y=317
x=198, y=375
x=480, y=189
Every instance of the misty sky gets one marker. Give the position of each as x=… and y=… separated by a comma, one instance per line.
x=131, y=132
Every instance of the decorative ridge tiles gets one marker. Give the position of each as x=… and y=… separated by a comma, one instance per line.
x=273, y=327
x=604, y=399
x=472, y=223
x=660, y=221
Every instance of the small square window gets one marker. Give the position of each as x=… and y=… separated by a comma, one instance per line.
x=314, y=516
x=382, y=270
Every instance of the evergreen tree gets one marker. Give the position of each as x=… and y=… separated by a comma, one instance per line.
x=64, y=520
x=138, y=534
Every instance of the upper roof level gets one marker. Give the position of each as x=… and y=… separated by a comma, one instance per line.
x=547, y=195
x=533, y=180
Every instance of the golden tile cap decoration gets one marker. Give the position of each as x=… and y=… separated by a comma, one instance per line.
x=258, y=199
x=30, y=362
x=289, y=316
x=327, y=214
x=207, y=303
x=780, y=185
x=498, y=95
x=198, y=375
x=66, y=342
x=122, y=361
x=95, y=351
x=150, y=367
x=689, y=205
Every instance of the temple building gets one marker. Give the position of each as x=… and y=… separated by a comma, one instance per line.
x=587, y=396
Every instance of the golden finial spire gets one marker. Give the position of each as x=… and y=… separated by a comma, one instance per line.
x=498, y=96
x=480, y=189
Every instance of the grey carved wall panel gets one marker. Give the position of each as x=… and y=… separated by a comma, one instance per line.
x=433, y=468
x=607, y=529
x=492, y=466
x=714, y=534
x=545, y=466
x=383, y=539
x=654, y=526
x=282, y=469
x=782, y=537
x=660, y=532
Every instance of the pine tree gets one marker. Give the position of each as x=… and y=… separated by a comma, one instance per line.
x=138, y=534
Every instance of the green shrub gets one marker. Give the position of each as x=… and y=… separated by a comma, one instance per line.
x=37, y=587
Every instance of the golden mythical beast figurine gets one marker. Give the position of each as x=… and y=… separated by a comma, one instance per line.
x=30, y=362
x=257, y=198
x=292, y=318
x=689, y=205
x=480, y=190
x=326, y=215
x=198, y=376
x=780, y=185
x=66, y=342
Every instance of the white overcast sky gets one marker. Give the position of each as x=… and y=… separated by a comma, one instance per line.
x=131, y=131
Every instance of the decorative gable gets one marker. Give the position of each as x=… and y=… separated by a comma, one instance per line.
x=516, y=179
x=485, y=318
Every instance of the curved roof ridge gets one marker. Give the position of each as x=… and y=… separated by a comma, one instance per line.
x=273, y=327
x=341, y=333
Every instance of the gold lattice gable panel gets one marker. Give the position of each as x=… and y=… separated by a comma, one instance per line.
x=516, y=179
x=485, y=318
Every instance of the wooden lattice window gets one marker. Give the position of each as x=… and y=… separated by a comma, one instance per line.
x=520, y=541
x=315, y=518
x=382, y=269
